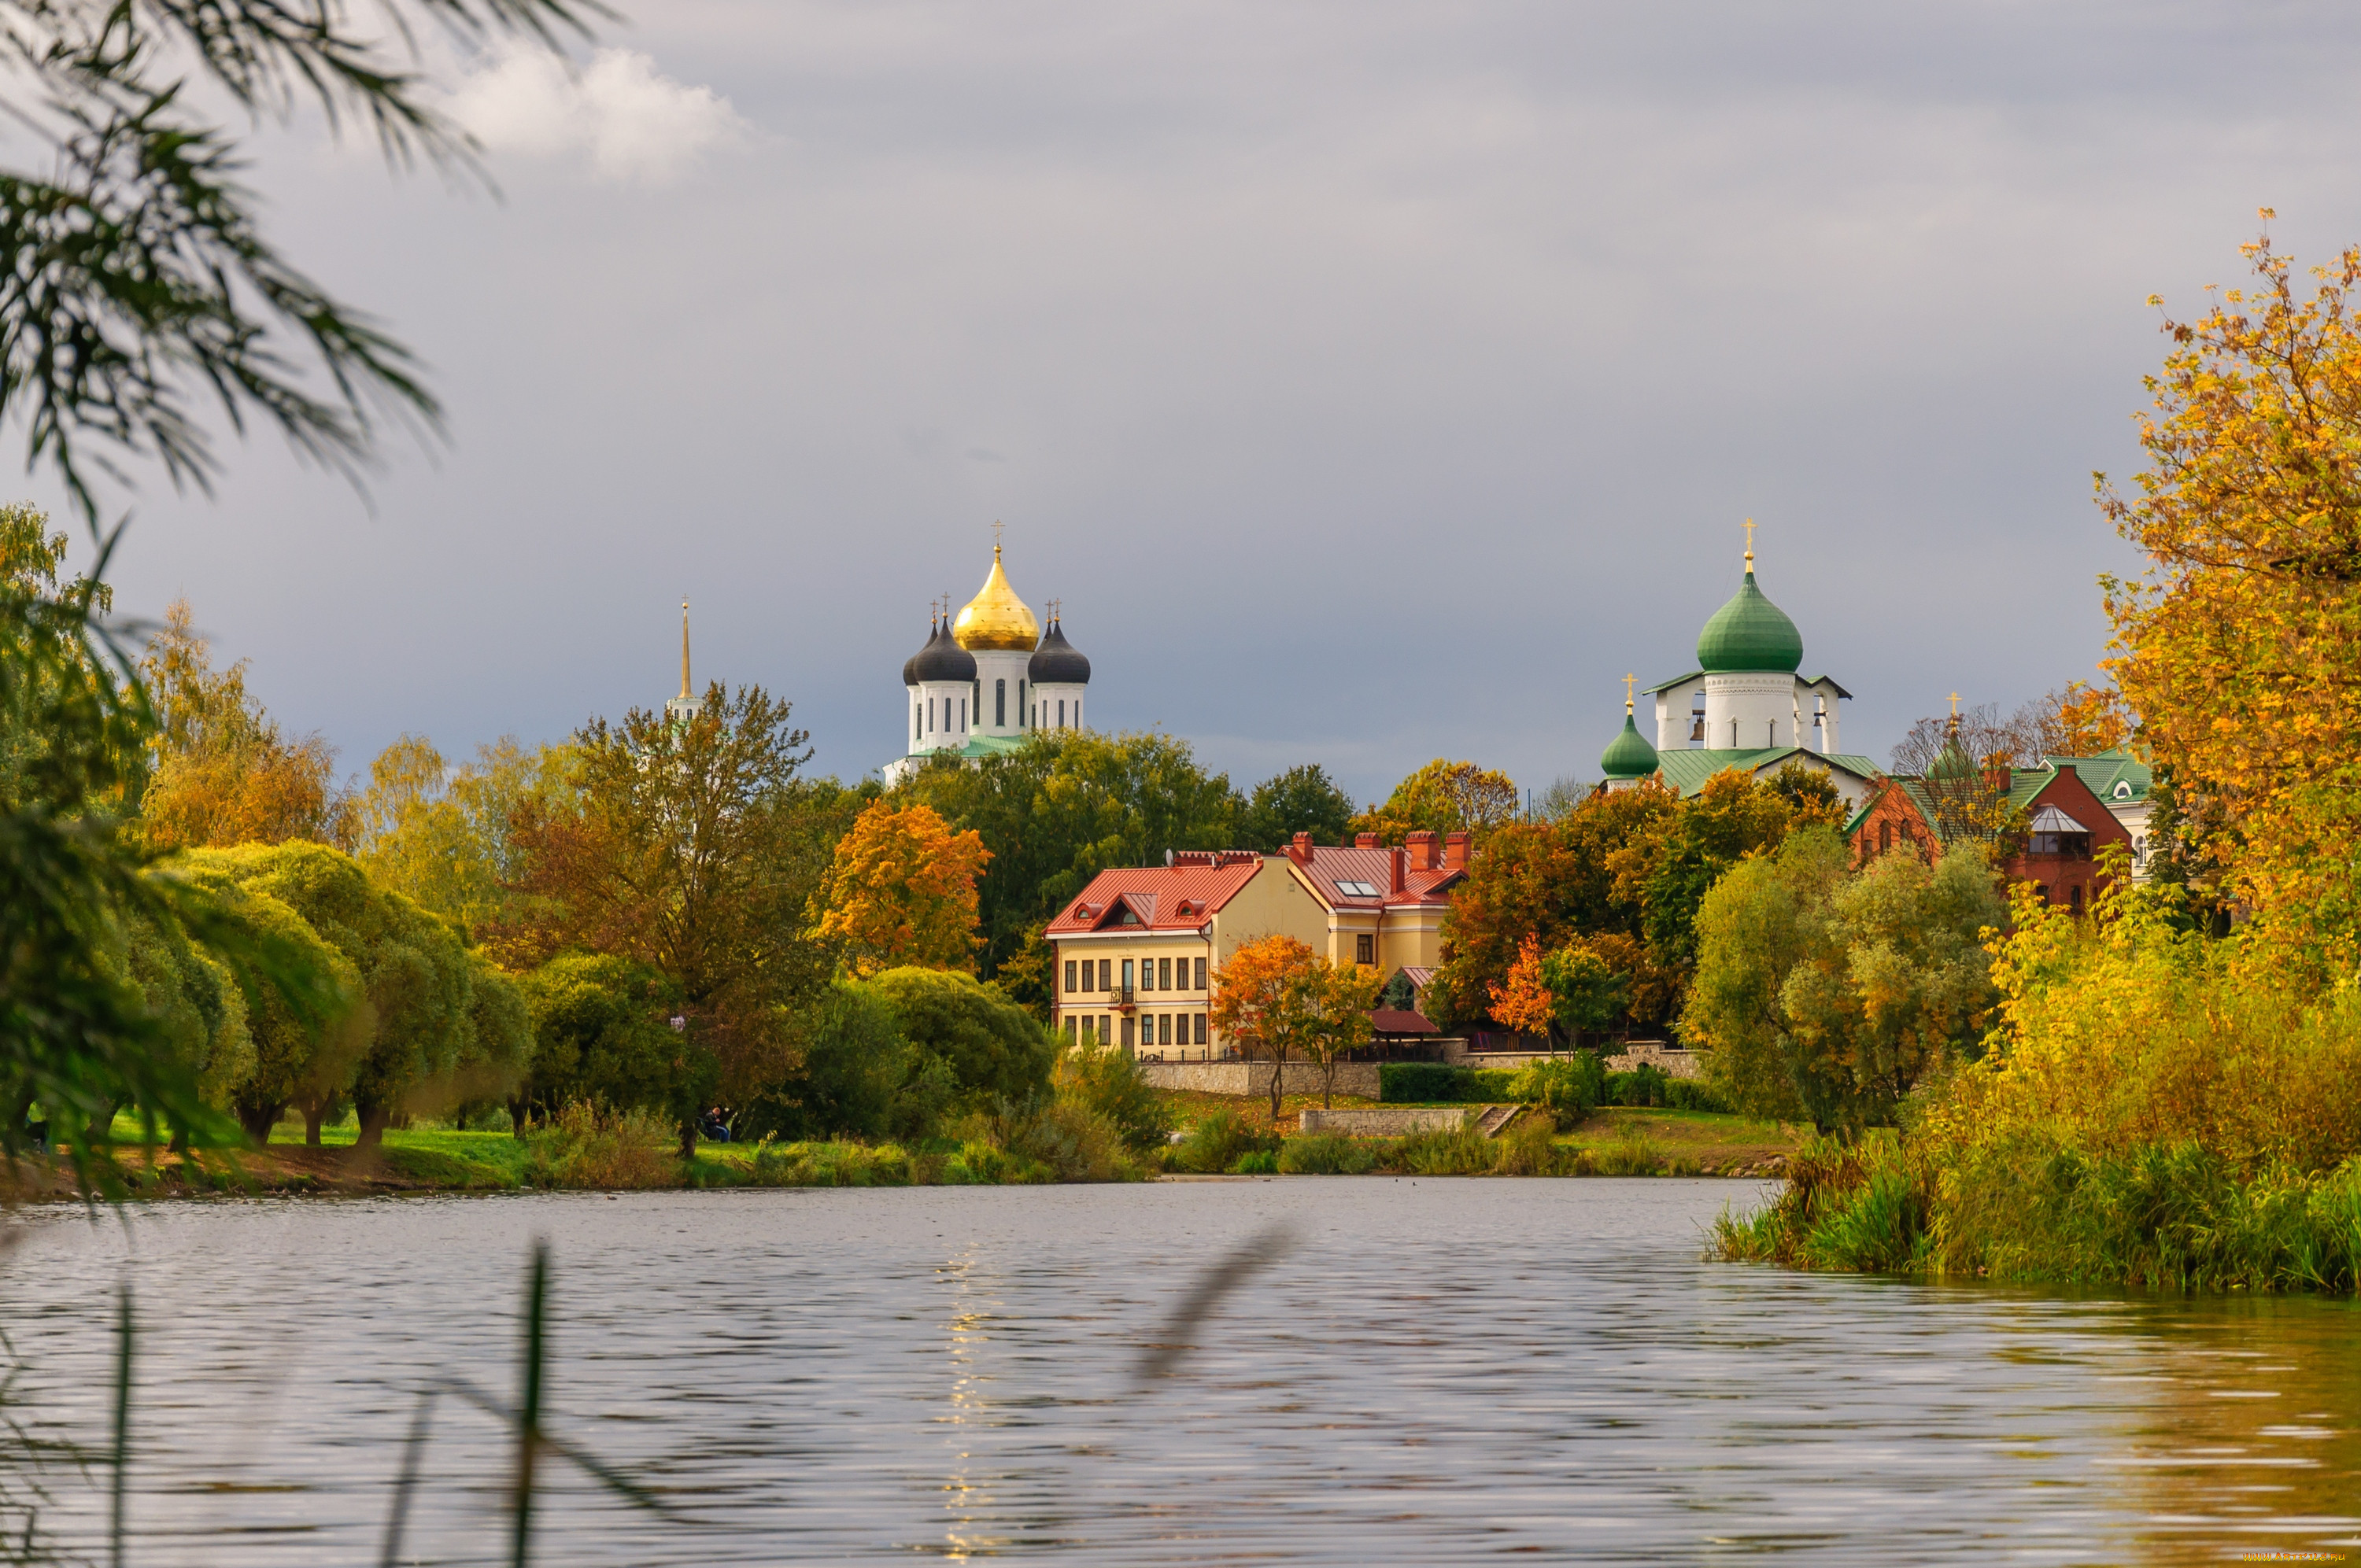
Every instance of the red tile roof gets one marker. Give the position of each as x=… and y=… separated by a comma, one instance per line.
x=1390, y=1021
x=1375, y=867
x=1175, y=898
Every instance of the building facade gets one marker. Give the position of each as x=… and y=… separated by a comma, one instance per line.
x=2061, y=826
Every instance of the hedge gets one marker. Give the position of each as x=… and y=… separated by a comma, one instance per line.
x=1427, y=1082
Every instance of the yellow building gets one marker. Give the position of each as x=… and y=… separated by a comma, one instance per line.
x=1136, y=953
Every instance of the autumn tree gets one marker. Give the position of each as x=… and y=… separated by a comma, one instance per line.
x=1445, y=797
x=1582, y=985
x=1550, y=881
x=1331, y=1003
x=441, y=835
x=1251, y=1002
x=2240, y=646
x=1667, y=870
x=694, y=848
x=224, y=771
x=902, y=891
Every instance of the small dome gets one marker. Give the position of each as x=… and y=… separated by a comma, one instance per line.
x=1056, y=662
x=996, y=617
x=1749, y=634
x=1629, y=755
x=942, y=659
x=1953, y=762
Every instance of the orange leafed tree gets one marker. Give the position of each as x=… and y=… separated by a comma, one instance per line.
x=1251, y=1004
x=902, y=891
x=2240, y=647
x=1521, y=1000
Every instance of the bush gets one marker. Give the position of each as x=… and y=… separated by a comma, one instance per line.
x=1068, y=1140
x=1424, y=1082
x=1108, y=1081
x=1531, y=1149
x=1217, y=1140
x=1326, y=1154
x=1643, y=1085
x=1564, y=1088
x=1257, y=1162
x=995, y=1049
x=587, y=1148
x=1459, y=1151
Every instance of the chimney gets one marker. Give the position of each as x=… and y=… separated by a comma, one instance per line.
x=1299, y=852
x=1423, y=849
x=1454, y=851
x=1401, y=871
x=1365, y=840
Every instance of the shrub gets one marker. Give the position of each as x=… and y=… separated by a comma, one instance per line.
x=1418, y=1082
x=1257, y=1162
x=1067, y=1139
x=1457, y=1151
x=1326, y=1154
x=584, y=1147
x=1217, y=1140
x=1108, y=1081
x=1643, y=1085
x=1529, y=1148
x=1564, y=1088
x=1629, y=1154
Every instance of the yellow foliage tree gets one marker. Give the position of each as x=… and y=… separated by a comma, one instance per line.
x=1443, y=797
x=902, y=891
x=224, y=774
x=2240, y=648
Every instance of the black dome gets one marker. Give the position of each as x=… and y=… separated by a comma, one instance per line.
x=942, y=659
x=1055, y=662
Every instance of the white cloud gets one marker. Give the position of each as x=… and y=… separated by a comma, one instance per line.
x=631, y=121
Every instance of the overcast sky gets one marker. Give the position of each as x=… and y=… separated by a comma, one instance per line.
x=1372, y=382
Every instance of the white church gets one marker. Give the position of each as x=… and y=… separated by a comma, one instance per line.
x=1744, y=707
x=987, y=679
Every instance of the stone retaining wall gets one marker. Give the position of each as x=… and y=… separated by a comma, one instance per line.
x=1392, y=1121
x=1664, y=1058
x=1249, y=1079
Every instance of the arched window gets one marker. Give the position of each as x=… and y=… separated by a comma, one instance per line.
x=1021, y=710
x=930, y=714
x=918, y=724
x=962, y=713
x=2041, y=891
x=1884, y=836
x=1062, y=713
x=2074, y=898
x=1000, y=705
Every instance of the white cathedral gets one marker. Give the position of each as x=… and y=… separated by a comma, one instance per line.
x=987, y=679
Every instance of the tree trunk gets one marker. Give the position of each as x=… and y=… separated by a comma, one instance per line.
x=102, y=1125
x=1277, y=1081
x=257, y=1119
x=373, y=1118
x=1328, y=1085
x=520, y=1112
x=316, y=1116
x=688, y=1138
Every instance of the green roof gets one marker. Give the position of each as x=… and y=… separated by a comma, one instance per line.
x=1686, y=770
x=1749, y=634
x=1668, y=685
x=1629, y=755
x=2109, y=775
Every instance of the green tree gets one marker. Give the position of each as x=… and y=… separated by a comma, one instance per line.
x=1826, y=994
x=1065, y=807
x=1303, y=799
x=993, y=1049
x=602, y=1033
x=1668, y=872
x=697, y=850
x=418, y=980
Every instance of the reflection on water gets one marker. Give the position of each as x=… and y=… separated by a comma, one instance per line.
x=1435, y=1370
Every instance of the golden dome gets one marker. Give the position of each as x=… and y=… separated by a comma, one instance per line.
x=996, y=617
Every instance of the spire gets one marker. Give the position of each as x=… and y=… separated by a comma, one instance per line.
x=684, y=648
x=1629, y=681
x=1750, y=546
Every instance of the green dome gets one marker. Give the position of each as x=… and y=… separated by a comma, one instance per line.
x=1629, y=755
x=1953, y=762
x=1750, y=633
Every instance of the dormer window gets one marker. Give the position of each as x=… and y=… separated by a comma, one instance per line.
x=2122, y=789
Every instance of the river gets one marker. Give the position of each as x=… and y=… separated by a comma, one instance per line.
x=1423, y=1372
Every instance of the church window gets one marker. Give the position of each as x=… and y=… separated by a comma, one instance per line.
x=1062, y=713
x=918, y=724
x=1000, y=705
x=962, y=713
x=1770, y=732
x=930, y=715
x=1020, y=704
x=1069, y=975
x=2074, y=898
x=1884, y=836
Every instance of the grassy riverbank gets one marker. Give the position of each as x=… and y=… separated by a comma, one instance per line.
x=622, y=1154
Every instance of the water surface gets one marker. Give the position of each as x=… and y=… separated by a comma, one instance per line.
x=1432, y=1371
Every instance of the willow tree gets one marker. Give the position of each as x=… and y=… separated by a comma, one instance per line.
x=2240, y=646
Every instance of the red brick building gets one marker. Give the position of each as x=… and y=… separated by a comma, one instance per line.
x=2067, y=826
